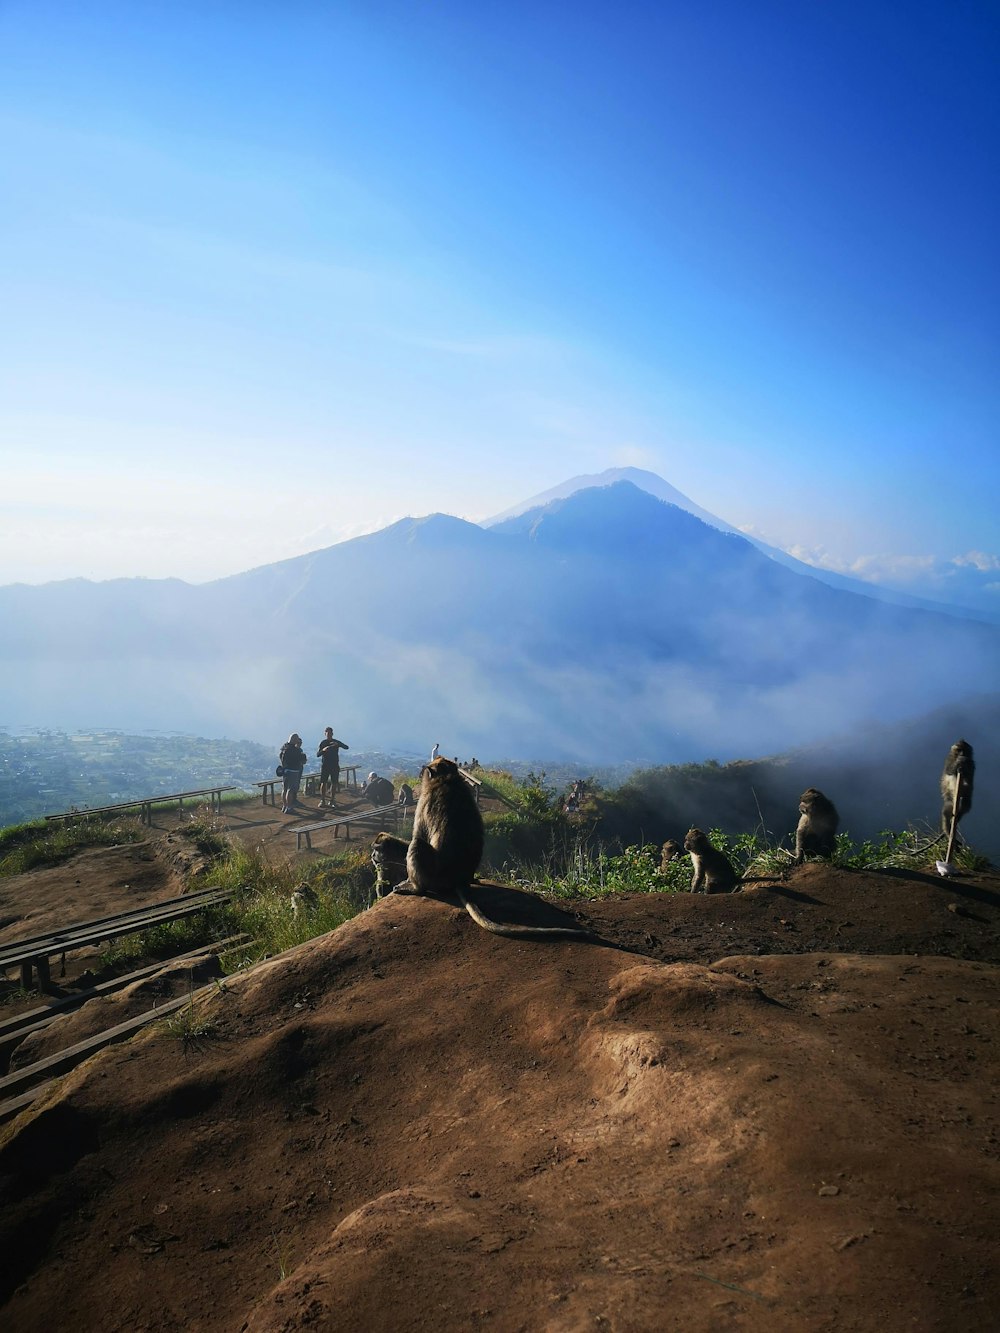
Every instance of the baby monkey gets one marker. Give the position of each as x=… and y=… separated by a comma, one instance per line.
x=670, y=851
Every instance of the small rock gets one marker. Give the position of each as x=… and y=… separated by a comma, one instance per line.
x=828, y=1191
x=848, y=1241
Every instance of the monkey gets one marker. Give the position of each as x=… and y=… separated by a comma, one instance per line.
x=956, y=784
x=671, y=851
x=389, y=860
x=711, y=867
x=304, y=899
x=406, y=797
x=447, y=846
x=817, y=827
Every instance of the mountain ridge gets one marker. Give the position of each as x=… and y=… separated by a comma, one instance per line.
x=608, y=622
x=663, y=490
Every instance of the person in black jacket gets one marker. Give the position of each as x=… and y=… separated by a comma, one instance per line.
x=329, y=778
x=293, y=761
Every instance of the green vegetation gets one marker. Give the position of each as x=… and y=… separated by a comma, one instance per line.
x=25, y=846
x=262, y=905
x=169, y=939
x=190, y=1024
x=536, y=845
x=592, y=873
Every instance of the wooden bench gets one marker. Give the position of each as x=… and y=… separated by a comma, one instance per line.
x=33, y=1020
x=16, y=1090
x=475, y=783
x=36, y=951
x=145, y=804
x=380, y=818
x=348, y=775
x=310, y=782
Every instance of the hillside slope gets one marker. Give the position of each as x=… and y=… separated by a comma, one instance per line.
x=410, y=1124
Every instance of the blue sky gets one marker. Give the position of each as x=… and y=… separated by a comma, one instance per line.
x=278, y=274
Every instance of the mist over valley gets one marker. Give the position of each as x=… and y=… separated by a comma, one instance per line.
x=602, y=627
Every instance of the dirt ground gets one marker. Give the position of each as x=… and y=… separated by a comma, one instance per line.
x=770, y=1110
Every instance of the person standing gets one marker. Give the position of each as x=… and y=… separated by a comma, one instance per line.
x=293, y=761
x=329, y=777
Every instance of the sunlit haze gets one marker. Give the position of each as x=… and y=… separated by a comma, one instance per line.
x=277, y=275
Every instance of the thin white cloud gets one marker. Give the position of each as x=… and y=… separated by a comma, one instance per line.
x=871, y=568
x=978, y=560
x=634, y=455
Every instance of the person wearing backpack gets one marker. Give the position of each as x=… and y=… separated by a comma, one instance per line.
x=292, y=760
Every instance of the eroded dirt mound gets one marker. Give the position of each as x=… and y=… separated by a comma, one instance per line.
x=813, y=907
x=411, y=1124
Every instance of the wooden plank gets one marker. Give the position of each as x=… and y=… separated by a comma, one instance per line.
x=112, y=925
x=366, y=818
x=85, y=939
x=63, y=1061
x=145, y=802
x=32, y=1020
x=10, y=1108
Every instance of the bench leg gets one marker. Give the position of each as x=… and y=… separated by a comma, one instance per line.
x=26, y=975
x=44, y=978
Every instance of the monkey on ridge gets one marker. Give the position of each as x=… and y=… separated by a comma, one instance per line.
x=670, y=851
x=447, y=846
x=817, y=826
x=389, y=860
x=957, y=779
x=712, y=868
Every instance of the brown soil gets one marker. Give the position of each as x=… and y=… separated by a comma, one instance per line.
x=771, y=1110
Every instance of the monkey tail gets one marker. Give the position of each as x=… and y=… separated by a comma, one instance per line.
x=521, y=932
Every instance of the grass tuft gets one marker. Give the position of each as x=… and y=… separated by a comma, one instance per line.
x=25, y=847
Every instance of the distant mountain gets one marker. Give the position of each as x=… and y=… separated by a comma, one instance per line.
x=605, y=626
x=645, y=481
x=654, y=485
